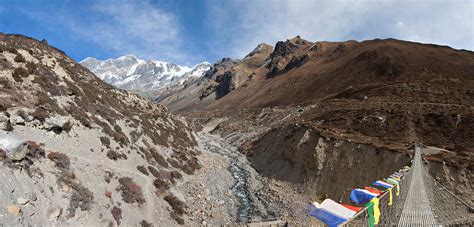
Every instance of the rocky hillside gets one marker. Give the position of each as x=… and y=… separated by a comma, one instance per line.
x=380, y=95
x=301, y=72
x=146, y=77
x=77, y=151
x=221, y=79
x=395, y=91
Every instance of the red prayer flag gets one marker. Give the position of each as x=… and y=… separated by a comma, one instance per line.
x=370, y=189
x=354, y=208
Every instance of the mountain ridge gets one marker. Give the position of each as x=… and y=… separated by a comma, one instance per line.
x=142, y=76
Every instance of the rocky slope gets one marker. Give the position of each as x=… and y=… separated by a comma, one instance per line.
x=76, y=151
x=378, y=95
x=282, y=127
x=146, y=77
x=221, y=79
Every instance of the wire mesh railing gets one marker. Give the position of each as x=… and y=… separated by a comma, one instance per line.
x=448, y=209
x=446, y=206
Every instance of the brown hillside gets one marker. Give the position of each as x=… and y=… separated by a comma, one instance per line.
x=386, y=70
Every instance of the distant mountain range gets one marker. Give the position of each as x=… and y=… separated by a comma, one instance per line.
x=142, y=76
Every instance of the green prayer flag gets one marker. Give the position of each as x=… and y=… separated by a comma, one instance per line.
x=370, y=212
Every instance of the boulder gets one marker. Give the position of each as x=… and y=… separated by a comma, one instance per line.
x=17, y=120
x=5, y=123
x=57, y=124
x=16, y=148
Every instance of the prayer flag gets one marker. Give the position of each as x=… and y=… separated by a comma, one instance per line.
x=375, y=200
x=331, y=212
x=382, y=184
x=354, y=208
x=361, y=196
x=374, y=190
x=390, y=198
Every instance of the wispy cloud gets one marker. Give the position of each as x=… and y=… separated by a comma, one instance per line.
x=252, y=22
x=190, y=31
x=124, y=27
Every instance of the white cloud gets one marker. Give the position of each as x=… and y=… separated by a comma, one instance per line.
x=124, y=27
x=133, y=26
x=435, y=21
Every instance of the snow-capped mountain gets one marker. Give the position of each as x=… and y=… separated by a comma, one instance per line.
x=142, y=76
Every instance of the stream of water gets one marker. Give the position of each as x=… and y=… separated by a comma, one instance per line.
x=240, y=187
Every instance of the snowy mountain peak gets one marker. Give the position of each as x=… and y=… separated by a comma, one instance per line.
x=142, y=76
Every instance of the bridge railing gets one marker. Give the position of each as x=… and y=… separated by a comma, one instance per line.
x=445, y=205
x=389, y=214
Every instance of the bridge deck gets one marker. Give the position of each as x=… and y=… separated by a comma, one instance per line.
x=417, y=209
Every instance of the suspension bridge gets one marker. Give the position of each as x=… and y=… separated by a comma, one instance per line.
x=422, y=202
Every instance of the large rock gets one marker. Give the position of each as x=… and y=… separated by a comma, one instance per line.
x=57, y=124
x=16, y=148
x=5, y=123
x=17, y=120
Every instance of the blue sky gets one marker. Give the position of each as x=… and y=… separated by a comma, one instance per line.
x=191, y=31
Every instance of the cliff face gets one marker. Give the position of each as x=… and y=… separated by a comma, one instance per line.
x=81, y=149
x=324, y=167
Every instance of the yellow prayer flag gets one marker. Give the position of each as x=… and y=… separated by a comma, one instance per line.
x=390, y=200
x=375, y=200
